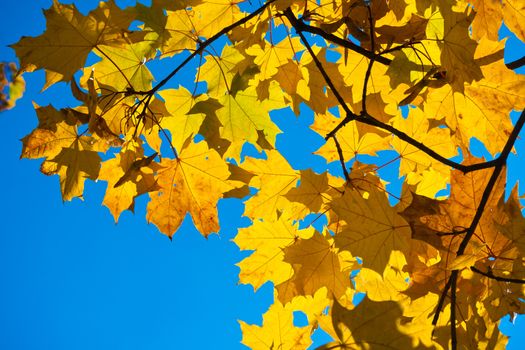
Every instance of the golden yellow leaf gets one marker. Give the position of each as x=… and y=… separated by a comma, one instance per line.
x=389, y=285
x=122, y=67
x=191, y=183
x=514, y=17
x=242, y=115
x=70, y=37
x=352, y=331
x=128, y=176
x=268, y=239
x=351, y=141
x=316, y=264
x=274, y=177
x=270, y=56
x=373, y=228
x=277, y=331
x=74, y=164
x=219, y=71
x=487, y=20
x=430, y=175
x=180, y=123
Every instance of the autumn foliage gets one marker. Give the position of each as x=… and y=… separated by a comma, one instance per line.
x=423, y=78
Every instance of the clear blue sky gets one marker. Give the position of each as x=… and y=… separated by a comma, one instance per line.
x=72, y=279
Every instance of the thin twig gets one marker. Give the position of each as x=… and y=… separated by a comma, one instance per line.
x=490, y=275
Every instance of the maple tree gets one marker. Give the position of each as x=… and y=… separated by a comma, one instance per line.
x=439, y=271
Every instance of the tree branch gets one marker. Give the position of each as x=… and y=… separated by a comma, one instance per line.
x=368, y=119
x=520, y=62
x=490, y=275
x=300, y=26
x=372, y=60
x=500, y=162
x=341, y=158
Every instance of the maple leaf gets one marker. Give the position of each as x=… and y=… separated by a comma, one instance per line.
x=122, y=67
x=277, y=331
x=274, y=177
x=268, y=239
x=129, y=175
x=488, y=19
x=70, y=37
x=352, y=143
x=316, y=264
x=74, y=164
x=371, y=228
x=351, y=331
x=430, y=175
x=513, y=15
x=191, y=183
x=242, y=115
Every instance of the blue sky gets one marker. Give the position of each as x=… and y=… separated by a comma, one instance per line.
x=72, y=279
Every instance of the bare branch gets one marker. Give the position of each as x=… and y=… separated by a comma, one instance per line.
x=520, y=62
x=490, y=275
x=341, y=158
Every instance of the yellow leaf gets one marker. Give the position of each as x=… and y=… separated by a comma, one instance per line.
x=277, y=331
x=430, y=175
x=219, y=71
x=389, y=285
x=316, y=265
x=128, y=176
x=514, y=17
x=242, y=115
x=122, y=67
x=210, y=17
x=192, y=183
x=274, y=177
x=352, y=330
x=70, y=37
x=180, y=123
x=373, y=228
x=268, y=239
x=487, y=20
x=271, y=56
x=351, y=142
x=74, y=164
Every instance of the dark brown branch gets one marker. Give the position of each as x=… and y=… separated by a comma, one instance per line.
x=368, y=119
x=341, y=158
x=372, y=60
x=490, y=275
x=288, y=13
x=300, y=26
x=441, y=300
x=500, y=162
x=520, y=62
x=453, y=335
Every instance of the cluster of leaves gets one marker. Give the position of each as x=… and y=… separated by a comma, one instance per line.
x=12, y=85
x=438, y=272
